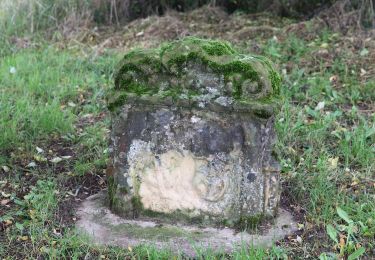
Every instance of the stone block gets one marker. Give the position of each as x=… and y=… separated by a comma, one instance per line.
x=192, y=134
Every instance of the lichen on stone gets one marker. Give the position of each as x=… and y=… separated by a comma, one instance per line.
x=199, y=70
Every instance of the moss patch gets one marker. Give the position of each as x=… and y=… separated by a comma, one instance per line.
x=157, y=233
x=164, y=71
x=249, y=223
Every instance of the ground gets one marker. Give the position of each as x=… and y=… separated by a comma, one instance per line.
x=54, y=129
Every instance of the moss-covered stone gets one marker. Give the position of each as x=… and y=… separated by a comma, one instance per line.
x=192, y=131
x=193, y=67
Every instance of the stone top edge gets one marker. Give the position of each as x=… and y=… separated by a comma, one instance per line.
x=198, y=70
x=261, y=110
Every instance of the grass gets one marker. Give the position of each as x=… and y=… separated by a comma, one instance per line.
x=328, y=153
x=52, y=105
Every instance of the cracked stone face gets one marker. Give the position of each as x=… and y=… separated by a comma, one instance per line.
x=192, y=134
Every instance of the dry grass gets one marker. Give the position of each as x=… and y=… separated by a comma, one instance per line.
x=318, y=64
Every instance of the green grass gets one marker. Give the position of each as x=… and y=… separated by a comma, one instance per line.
x=46, y=93
x=55, y=100
x=310, y=140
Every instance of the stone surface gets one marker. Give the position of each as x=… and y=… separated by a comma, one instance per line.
x=192, y=135
x=106, y=228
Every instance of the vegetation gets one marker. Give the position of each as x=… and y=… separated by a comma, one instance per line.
x=139, y=66
x=20, y=16
x=54, y=128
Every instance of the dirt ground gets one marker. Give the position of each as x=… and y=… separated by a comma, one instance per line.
x=250, y=32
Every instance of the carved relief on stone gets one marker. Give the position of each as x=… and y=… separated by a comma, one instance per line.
x=192, y=133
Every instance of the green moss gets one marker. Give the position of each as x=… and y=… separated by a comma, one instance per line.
x=136, y=203
x=115, y=99
x=136, y=68
x=111, y=190
x=163, y=233
x=161, y=71
x=249, y=223
x=181, y=217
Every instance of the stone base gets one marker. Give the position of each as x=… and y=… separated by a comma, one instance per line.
x=106, y=228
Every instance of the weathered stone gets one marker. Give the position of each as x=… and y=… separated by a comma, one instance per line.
x=192, y=134
x=192, y=241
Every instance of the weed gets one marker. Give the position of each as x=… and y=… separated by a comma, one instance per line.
x=54, y=98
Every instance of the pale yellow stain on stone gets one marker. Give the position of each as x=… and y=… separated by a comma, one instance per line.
x=179, y=180
x=171, y=183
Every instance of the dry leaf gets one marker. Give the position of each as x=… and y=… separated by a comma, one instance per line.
x=333, y=162
x=39, y=150
x=320, y=106
x=31, y=165
x=8, y=222
x=300, y=226
x=23, y=238
x=4, y=202
x=5, y=195
x=32, y=213
x=71, y=104
x=56, y=160
x=342, y=242
x=333, y=79
x=40, y=158
x=5, y=168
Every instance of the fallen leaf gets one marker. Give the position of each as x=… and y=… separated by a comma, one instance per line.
x=364, y=52
x=4, y=202
x=44, y=249
x=342, y=242
x=56, y=160
x=23, y=238
x=5, y=168
x=333, y=162
x=300, y=226
x=56, y=232
x=71, y=104
x=320, y=106
x=32, y=213
x=8, y=222
x=5, y=195
x=333, y=79
x=31, y=165
x=40, y=158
